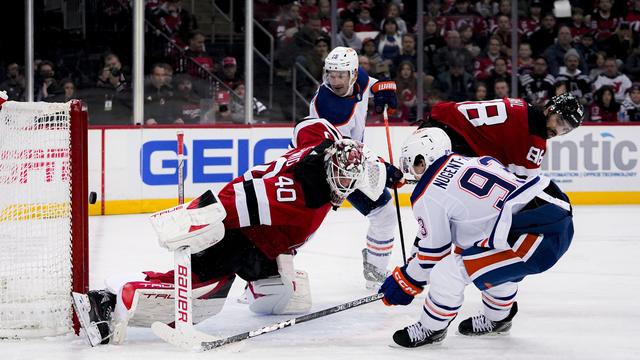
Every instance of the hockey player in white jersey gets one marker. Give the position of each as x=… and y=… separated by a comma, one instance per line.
x=477, y=223
x=343, y=99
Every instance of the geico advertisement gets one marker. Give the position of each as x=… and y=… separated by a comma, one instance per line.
x=595, y=158
x=142, y=163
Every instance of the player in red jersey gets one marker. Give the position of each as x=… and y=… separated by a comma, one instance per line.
x=510, y=130
x=251, y=228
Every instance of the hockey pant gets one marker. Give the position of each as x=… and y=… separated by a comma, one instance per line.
x=382, y=225
x=539, y=236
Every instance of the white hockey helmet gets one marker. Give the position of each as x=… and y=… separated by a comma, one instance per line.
x=429, y=144
x=344, y=165
x=341, y=59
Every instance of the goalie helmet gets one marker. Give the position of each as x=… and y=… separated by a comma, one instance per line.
x=429, y=144
x=341, y=59
x=568, y=107
x=344, y=165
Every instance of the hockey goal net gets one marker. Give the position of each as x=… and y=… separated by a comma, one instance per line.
x=43, y=216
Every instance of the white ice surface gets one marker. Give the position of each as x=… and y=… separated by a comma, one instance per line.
x=586, y=307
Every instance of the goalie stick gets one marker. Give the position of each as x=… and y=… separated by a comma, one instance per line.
x=198, y=341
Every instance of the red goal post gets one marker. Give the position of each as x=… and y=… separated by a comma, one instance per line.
x=43, y=216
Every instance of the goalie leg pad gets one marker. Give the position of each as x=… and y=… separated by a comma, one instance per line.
x=197, y=224
x=141, y=303
x=288, y=293
x=278, y=295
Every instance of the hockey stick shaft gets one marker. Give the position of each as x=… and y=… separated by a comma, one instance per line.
x=182, y=257
x=209, y=345
x=395, y=191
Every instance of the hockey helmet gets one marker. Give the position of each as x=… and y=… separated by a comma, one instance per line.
x=429, y=143
x=568, y=107
x=344, y=165
x=341, y=59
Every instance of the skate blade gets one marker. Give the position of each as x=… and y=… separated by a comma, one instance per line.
x=90, y=330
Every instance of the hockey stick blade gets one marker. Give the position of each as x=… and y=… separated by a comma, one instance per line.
x=188, y=338
x=210, y=345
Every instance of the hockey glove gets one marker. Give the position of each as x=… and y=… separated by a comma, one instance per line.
x=399, y=288
x=394, y=179
x=384, y=93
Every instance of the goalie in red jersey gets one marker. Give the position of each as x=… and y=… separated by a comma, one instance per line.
x=250, y=228
x=510, y=130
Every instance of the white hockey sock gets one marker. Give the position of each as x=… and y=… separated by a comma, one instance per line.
x=497, y=301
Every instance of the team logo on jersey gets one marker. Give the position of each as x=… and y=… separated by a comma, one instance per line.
x=422, y=228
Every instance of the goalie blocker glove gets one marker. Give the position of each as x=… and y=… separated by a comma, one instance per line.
x=384, y=93
x=197, y=224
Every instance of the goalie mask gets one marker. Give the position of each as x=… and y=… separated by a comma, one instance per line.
x=344, y=165
x=428, y=144
x=342, y=63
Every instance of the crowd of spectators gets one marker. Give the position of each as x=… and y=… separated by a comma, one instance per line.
x=591, y=52
x=183, y=78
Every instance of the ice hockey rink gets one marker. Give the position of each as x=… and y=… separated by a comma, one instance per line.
x=586, y=307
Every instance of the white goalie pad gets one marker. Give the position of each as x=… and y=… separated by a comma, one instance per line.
x=197, y=224
x=288, y=293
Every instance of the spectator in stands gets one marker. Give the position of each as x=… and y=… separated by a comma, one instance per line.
x=605, y=107
x=463, y=14
x=289, y=22
x=229, y=74
x=347, y=37
x=68, y=92
x=468, y=40
x=46, y=84
x=14, y=83
x=455, y=84
x=622, y=42
x=631, y=104
x=537, y=87
x=500, y=89
x=236, y=105
x=325, y=16
x=578, y=25
x=364, y=22
x=219, y=111
x=406, y=82
x=480, y=92
x=530, y=23
x=500, y=71
x=364, y=63
x=542, y=38
x=484, y=64
x=393, y=12
x=612, y=77
x=196, y=52
x=379, y=68
x=586, y=46
x=525, y=60
x=174, y=21
x=561, y=87
x=158, y=96
x=452, y=52
x=503, y=32
x=633, y=16
x=604, y=22
x=409, y=52
x=389, y=41
x=432, y=42
x=632, y=65
x=113, y=75
x=577, y=82
x=556, y=52
x=186, y=100
x=601, y=57
x=314, y=62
